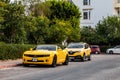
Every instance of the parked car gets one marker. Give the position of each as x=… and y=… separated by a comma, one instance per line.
x=79, y=51
x=95, y=49
x=46, y=55
x=116, y=49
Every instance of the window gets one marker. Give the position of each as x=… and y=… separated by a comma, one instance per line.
x=86, y=14
x=86, y=2
x=118, y=12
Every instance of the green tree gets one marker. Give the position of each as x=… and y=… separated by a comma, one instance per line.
x=67, y=11
x=39, y=31
x=13, y=29
x=64, y=10
x=64, y=20
x=59, y=31
x=40, y=9
x=108, y=29
x=2, y=4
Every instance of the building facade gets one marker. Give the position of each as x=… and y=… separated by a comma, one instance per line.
x=117, y=7
x=93, y=11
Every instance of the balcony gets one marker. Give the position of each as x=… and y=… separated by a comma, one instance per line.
x=117, y=5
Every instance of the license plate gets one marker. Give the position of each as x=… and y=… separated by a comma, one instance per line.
x=34, y=59
x=71, y=57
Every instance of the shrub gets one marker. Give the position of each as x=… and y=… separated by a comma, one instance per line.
x=12, y=51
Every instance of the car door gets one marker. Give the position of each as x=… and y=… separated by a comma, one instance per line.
x=87, y=49
x=59, y=55
x=117, y=49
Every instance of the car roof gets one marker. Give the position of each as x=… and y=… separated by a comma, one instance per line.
x=94, y=45
x=46, y=45
x=77, y=43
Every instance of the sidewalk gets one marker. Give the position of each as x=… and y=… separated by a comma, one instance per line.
x=10, y=63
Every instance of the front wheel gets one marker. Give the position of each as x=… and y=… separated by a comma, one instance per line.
x=110, y=52
x=83, y=58
x=54, y=63
x=25, y=65
x=89, y=58
x=66, y=60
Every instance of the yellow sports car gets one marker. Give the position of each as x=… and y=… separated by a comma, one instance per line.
x=46, y=55
x=79, y=51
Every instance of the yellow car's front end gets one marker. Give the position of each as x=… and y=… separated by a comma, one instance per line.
x=75, y=53
x=45, y=55
x=79, y=51
x=38, y=57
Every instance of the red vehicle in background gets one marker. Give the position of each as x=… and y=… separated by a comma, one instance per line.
x=95, y=49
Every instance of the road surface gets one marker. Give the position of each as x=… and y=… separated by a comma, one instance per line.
x=101, y=67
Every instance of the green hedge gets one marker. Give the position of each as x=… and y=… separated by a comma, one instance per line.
x=12, y=51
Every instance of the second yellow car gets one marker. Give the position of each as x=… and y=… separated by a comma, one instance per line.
x=79, y=51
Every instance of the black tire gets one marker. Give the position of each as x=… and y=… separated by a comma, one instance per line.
x=96, y=52
x=83, y=58
x=72, y=60
x=111, y=52
x=54, y=63
x=89, y=58
x=25, y=65
x=66, y=60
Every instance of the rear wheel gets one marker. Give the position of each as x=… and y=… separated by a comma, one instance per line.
x=66, y=60
x=54, y=63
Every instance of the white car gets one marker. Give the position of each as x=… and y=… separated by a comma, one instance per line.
x=116, y=49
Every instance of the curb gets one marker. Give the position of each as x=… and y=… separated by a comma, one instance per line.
x=12, y=65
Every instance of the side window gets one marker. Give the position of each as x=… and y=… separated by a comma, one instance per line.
x=117, y=46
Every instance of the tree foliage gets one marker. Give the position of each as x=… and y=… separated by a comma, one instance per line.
x=67, y=11
x=107, y=32
x=34, y=21
x=13, y=24
x=108, y=29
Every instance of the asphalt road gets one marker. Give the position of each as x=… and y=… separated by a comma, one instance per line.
x=102, y=67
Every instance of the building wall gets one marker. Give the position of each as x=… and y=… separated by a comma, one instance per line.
x=98, y=9
x=117, y=7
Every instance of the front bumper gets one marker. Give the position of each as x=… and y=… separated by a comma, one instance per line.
x=37, y=60
x=75, y=55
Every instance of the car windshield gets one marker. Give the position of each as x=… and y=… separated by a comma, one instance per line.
x=46, y=47
x=75, y=46
x=94, y=47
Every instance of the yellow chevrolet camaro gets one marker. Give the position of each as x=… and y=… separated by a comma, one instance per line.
x=45, y=55
x=79, y=51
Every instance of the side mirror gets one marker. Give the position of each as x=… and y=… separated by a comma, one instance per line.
x=31, y=49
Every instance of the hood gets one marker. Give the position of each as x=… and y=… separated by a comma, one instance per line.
x=39, y=52
x=110, y=48
x=75, y=49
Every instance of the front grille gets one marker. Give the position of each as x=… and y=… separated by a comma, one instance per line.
x=29, y=55
x=71, y=52
x=35, y=61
